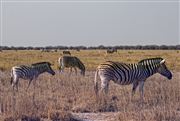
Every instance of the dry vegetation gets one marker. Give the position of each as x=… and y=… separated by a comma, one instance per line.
x=64, y=97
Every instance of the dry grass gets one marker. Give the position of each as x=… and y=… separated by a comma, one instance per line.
x=91, y=58
x=56, y=97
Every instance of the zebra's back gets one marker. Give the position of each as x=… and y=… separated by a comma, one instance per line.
x=67, y=61
x=120, y=73
x=24, y=72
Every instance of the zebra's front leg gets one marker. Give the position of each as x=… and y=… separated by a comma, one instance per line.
x=29, y=84
x=133, y=90
x=70, y=71
x=141, y=90
x=75, y=70
x=34, y=83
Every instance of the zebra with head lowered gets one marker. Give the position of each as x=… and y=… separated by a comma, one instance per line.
x=124, y=74
x=66, y=52
x=71, y=62
x=29, y=72
x=112, y=50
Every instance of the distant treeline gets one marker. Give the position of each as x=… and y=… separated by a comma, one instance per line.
x=123, y=47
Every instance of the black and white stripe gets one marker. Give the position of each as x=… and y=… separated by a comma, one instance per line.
x=124, y=74
x=29, y=72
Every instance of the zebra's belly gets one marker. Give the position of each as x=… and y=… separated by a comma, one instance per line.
x=123, y=82
x=26, y=77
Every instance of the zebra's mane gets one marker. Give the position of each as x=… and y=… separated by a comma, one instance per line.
x=40, y=63
x=148, y=59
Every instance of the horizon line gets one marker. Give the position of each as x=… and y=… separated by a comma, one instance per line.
x=94, y=1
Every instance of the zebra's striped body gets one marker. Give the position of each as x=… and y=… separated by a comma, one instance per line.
x=124, y=74
x=66, y=52
x=29, y=72
x=71, y=62
x=111, y=50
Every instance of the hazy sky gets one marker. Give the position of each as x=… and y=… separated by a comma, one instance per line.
x=89, y=23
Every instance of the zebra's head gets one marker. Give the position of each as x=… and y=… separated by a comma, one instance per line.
x=49, y=69
x=163, y=70
x=81, y=66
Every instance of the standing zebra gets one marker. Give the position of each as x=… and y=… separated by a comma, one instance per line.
x=71, y=62
x=111, y=50
x=124, y=74
x=29, y=72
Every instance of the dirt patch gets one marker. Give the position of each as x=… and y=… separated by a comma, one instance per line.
x=109, y=116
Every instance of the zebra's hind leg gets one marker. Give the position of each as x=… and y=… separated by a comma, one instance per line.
x=103, y=100
x=59, y=69
x=15, y=83
x=17, y=87
x=104, y=86
x=104, y=89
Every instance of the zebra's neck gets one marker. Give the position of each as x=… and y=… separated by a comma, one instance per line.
x=148, y=68
x=40, y=69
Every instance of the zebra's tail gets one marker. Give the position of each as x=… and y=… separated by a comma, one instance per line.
x=11, y=77
x=96, y=82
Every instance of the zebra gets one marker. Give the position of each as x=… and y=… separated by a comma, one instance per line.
x=45, y=50
x=125, y=74
x=111, y=50
x=71, y=62
x=29, y=72
x=66, y=52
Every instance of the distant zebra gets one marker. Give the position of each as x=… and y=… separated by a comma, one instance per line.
x=77, y=49
x=29, y=72
x=71, y=62
x=111, y=50
x=66, y=52
x=45, y=50
x=124, y=74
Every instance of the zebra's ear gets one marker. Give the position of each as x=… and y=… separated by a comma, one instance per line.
x=163, y=61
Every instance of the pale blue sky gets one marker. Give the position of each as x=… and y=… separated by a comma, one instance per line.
x=89, y=23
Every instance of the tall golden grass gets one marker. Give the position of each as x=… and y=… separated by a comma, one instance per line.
x=56, y=97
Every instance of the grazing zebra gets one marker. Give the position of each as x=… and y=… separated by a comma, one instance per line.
x=29, y=72
x=71, y=62
x=66, y=52
x=45, y=50
x=111, y=50
x=77, y=49
x=124, y=74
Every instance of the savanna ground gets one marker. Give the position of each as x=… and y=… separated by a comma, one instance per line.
x=71, y=97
